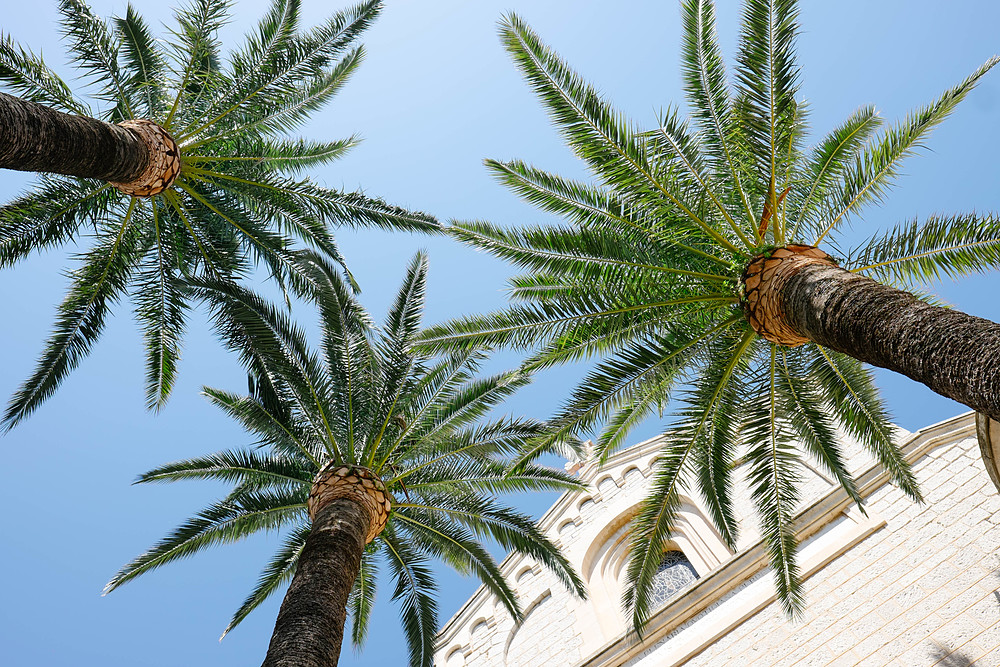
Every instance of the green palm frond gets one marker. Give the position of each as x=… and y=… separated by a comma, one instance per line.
x=874, y=170
x=850, y=390
x=27, y=75
x=457, y=546
x=51, y=215
x=796, y=393
x=774, y=484
x=97, y=285
x=224, y=522
x=237, y=467
x=705, y=410
x=95, y=50
x=711, y=99
x=599, y=134
x=414, y=591
x=937, y=248
x=240, y=200
x=162, y=309
x=769, y=114
x=143, y=62
x=825, y=165
x=195, y=48
x=362, y=599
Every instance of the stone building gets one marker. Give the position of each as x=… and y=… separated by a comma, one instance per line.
x=902, y=584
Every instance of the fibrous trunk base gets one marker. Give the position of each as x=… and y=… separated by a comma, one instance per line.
x=164, y=160
x=763, y=281
x=354, y=483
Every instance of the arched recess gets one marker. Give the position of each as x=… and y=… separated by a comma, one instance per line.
x=606, y=559
x=455, y=658
x=632, y=474
x=524, y=574
x=520, y=649
x=606, y=485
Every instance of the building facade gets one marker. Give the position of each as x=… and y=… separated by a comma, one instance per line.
x=898, y=584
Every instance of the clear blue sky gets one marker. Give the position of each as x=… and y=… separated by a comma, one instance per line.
x=436, y=95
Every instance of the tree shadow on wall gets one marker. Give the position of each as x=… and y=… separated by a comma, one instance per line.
x=943, y=656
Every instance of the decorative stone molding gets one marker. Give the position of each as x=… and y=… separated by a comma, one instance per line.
x=164, y=160
x=355, y=483
x=762, y=282
x=988, y=433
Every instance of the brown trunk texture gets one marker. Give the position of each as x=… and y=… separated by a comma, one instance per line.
x=34, y=137
x=955, y=354
x=310, y=626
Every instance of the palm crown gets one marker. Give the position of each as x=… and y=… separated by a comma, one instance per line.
x=647, y=273
x=364, y=399
x=235, y=204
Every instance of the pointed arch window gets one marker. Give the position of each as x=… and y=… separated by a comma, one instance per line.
x=674, y=573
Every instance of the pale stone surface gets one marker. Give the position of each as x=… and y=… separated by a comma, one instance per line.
x=909, y=585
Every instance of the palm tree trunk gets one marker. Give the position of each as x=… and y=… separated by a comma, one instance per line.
x=954, y=354
x=310, y=626
x=34, y=137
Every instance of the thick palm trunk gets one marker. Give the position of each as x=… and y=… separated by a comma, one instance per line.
x=36, y=138
x=955, y=354
x=310, y=626
x=349, y=506
x=137, y=156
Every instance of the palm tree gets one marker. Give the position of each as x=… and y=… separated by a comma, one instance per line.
x=693, y=260
x=189, y=172
x=372, y=456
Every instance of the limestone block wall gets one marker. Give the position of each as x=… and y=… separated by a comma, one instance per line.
x=922, y=590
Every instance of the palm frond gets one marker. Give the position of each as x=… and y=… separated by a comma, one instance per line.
x=196, y=49
x=51, y=215
x=283, y=155
x=95, y=49
x=707, y=88
x=271, y=423
x=237, y=467
x=599, y=135
x=825, y=164
x=814, y=425
x=28, y=76
x=161, y=308
x=222, y=523
x=291, y=74
x=651, y=527
x=582, y=254
x=97, y=285
x=362, y=598
x=872, y=173
x=456, y=546
x=768, y=82
x=939, y=247
x=850, y=392
x=271, y=347
x=640, y=377
x=143, y=63
x=415, y=590
x=773, y=482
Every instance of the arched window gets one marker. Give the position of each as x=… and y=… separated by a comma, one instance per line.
x=674, y=573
